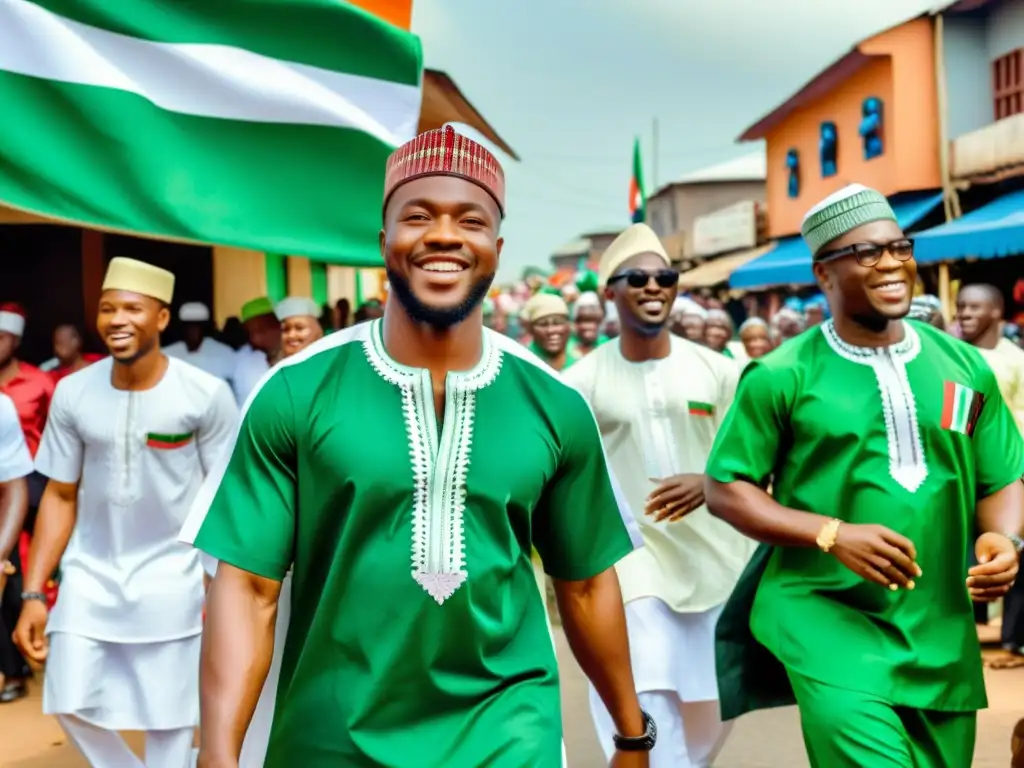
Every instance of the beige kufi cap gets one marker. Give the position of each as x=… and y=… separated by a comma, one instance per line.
x=296, y=306
x=638, y=239
x=139, y=277
x=544, y=305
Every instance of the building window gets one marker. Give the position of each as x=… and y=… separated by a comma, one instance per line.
x=793, y=166
x=827, y=146
x=871, y=127
x=1008, y=84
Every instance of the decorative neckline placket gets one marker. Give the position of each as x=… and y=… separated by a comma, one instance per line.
x=439, y=458
x=907, y=464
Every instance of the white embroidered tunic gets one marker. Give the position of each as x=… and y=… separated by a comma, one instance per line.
x=139, y=458
x=659, y=418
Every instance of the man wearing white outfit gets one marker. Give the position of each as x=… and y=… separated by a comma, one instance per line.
x=199, y=348
x=126, y=446
x=659, y=399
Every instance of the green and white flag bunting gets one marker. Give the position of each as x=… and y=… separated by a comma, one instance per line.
x=261, y=124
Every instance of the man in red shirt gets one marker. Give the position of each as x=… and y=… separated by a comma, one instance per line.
x=67, y=346
x=26, y=385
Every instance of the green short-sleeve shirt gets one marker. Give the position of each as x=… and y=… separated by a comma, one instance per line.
x=909, y=437
x=418, y=637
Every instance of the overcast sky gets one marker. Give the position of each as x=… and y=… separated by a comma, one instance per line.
x=569, y=83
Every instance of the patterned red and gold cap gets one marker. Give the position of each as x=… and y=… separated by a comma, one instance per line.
x=444, y=152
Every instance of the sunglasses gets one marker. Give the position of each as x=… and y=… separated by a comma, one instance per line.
x=869, y=254
x=639, y=278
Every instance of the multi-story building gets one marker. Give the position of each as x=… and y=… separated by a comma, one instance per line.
x=674, y=208
x=918, y=111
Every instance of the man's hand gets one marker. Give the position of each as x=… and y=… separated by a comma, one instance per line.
x=675, y=497
x=630, y=759
x=877, y=554
x=30, y=632
x=996, y=570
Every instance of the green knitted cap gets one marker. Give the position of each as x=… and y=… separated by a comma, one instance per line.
x=842, y=212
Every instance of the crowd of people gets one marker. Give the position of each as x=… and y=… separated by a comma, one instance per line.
x=316, y=539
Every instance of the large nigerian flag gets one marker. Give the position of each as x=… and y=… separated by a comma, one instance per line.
x=261, y=124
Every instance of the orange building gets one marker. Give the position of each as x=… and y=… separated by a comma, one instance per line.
x=895, y=68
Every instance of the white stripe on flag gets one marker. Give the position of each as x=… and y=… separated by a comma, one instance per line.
x=214, y=81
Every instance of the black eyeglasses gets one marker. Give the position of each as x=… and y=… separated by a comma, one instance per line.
x=869, y=254
x=638, y=278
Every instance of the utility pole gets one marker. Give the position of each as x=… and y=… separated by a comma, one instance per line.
x=654, y=155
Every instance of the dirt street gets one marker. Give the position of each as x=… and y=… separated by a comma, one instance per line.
x=763, y=740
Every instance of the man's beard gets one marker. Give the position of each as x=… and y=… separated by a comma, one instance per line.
x=438, y=318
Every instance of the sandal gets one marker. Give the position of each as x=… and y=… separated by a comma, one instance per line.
x=11, y=692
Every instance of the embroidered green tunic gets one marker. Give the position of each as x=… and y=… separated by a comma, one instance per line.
x=909, y=437
x=417, y=637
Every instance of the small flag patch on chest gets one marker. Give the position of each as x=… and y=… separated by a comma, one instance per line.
x=701, y=409
x=166, y=441
x=961, y=407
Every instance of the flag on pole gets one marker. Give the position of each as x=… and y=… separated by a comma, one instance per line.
x=260, y=124
x=637, y=196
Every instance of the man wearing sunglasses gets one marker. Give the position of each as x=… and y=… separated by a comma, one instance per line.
x=659, y=400
x=887, y=444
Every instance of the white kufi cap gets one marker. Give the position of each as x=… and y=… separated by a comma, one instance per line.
x=194, y=312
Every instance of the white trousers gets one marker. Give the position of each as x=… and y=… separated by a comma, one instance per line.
x=106, y=749
x=673, y=660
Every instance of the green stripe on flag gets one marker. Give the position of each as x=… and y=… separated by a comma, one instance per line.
x=185, y=140
x=331, y=34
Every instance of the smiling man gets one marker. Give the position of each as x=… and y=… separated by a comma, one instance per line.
x=548, y=316
x=417, y=636
x=659, y=400
x=887, y=445
x=126, y=446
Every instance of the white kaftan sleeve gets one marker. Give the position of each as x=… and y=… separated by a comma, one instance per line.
x=15, y=460
x=729, y=379
x=632, y=526
x=60, y=452
x=218, y=427
x=581, y=379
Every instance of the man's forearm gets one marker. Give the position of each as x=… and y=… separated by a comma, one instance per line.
x=754, y=513
x=595, y=625
x=238, y=644
x=13, y=507
x=54, y=524
x=1003, y=511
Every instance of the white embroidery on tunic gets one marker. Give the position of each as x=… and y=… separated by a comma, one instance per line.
x=440, y=462
x=907, y=465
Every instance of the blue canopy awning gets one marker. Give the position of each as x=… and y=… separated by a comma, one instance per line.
x=790, y=262
x=989, y=232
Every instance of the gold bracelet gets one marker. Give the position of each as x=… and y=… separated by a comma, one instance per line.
x=829, y=533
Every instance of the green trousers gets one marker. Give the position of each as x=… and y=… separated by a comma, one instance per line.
x=848, y=729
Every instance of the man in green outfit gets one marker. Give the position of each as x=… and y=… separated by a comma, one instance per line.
x=888, y=446
x=403, y=469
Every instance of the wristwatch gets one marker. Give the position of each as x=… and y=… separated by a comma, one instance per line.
x=643, y=743
x=1017, y=541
